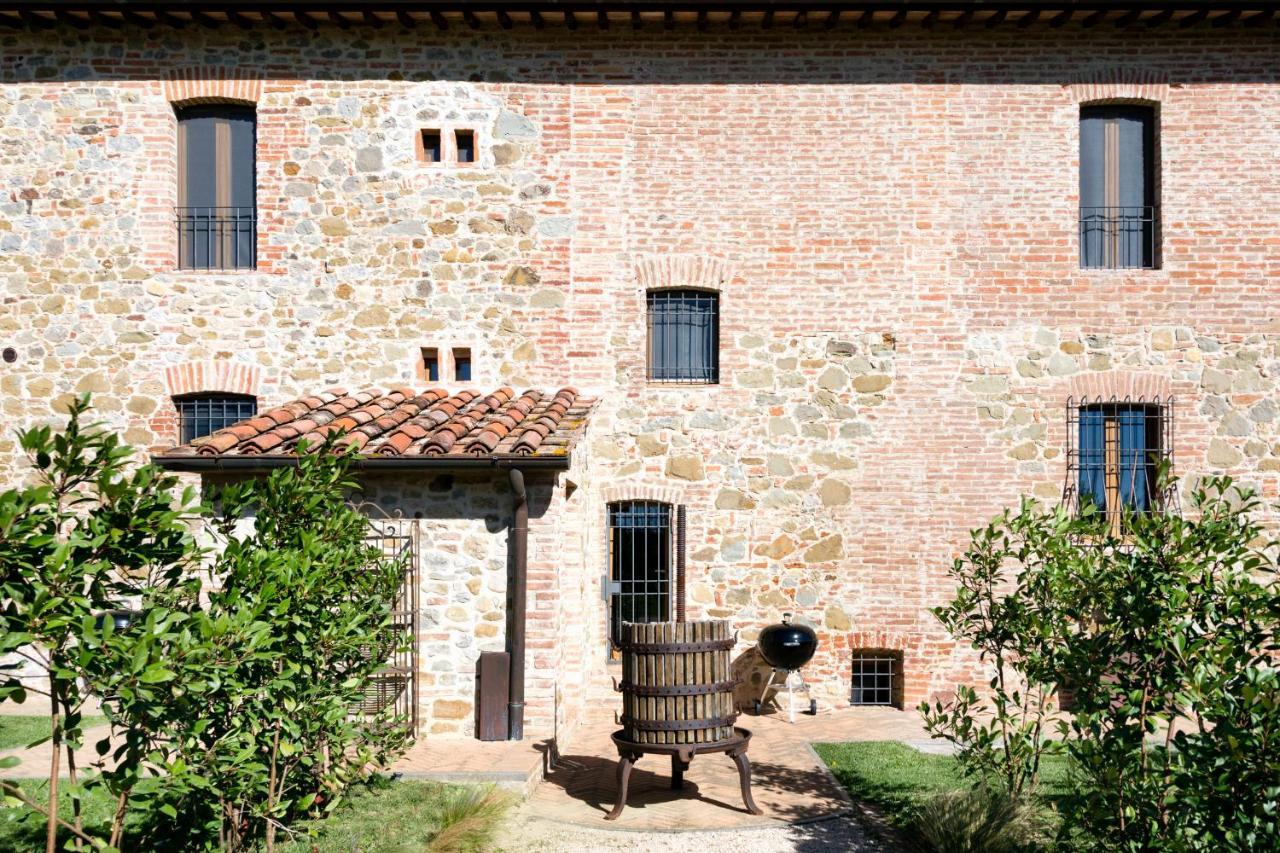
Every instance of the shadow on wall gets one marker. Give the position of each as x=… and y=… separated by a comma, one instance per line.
x=556, y=56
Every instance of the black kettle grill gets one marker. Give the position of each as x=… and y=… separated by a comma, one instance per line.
x=787, y=648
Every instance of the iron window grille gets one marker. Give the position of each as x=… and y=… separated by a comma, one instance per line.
x=205, y=414
x=644, y=583
x=1115, y=450
x=1116, y=238
x=217, y=238
x=684, y=337
x=875, y=678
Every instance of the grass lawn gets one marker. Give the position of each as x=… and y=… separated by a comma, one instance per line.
x=18, y=731
x=381, y=817
x=898, y=779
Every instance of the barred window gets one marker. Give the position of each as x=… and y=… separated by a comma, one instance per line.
x=877, y=678
x=646, y=563
x=217, y=207
x=684, y=336
x=204, y=414
x=1117, y=447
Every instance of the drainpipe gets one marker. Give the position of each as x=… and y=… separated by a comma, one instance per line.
x=519, y=593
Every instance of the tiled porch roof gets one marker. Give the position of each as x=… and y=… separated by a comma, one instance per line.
x=404, y=424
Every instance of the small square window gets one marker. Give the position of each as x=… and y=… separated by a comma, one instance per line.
x=429, y=149
x=465, y=142
x=462, y=365
x=877, y=678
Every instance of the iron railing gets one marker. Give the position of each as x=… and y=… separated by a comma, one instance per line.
x=217, y=238
x=393, y=690
x=684, y=337
x=1118, y=237
x=204, y=414
x=874, y=677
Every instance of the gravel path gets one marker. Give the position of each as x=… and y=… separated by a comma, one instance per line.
x=524, y=832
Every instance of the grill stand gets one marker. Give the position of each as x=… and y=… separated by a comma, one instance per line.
x=682, y=754
x=793, y=682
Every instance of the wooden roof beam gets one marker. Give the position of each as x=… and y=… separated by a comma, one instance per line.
x=371, y=20
x=865, y=19
x=800, y=20
x=1094, y=19
x=997, y=19
x=833, y=18
x=470, y=17
x=898, y=19
x=930, y=20
x=306, y=20
x=602, y=20
x=963, y=18
x=637, y=22
x=570, y=20
x=239, y=20
x=1226, y=19
x=1028, y=19
x=83, y=23
x=339, y=20
x=1260, y=18
x=441, y=22
x=1061, y=19
x=1128, y=18
x=1194, y=18
x=1159, y=18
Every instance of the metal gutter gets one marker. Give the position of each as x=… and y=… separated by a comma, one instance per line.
x=518, y=604
x=370, y=464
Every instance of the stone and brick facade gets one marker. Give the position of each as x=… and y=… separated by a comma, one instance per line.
x=889, y=217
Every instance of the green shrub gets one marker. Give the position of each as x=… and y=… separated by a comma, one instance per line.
x=1167, y=633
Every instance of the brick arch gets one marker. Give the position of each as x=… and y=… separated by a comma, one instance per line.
x=211, y=84
x=893, y=641
x=703, y=272
x=642, y=491
x=1120, y=384
x=221, y=376
x=1120, y=85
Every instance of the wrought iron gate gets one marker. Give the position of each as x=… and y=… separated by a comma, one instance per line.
x=395, y=687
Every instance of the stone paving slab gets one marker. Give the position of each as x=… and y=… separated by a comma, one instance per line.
x=790, y=783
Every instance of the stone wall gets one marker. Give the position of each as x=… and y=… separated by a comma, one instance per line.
x=888, y=216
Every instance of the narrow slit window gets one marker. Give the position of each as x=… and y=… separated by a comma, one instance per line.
x=465, y=142
x=431, y=364
x=204, y=414
x=429, y=149
x=217, y=207
x=684, y=337
x=462, y=365
x=1119, y=212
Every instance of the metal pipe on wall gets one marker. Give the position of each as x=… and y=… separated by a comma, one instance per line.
x=519, y=595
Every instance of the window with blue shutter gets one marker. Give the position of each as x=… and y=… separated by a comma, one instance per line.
x=1119, y=219
x=1118, y=448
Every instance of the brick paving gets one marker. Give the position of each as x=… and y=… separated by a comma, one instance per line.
x=788, y=780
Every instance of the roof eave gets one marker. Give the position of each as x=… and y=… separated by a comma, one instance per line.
x=370, y=464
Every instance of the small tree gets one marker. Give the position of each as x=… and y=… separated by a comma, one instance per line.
x=1166, y=628
x=1006, y=606
x=92, y=533
x=259, y=723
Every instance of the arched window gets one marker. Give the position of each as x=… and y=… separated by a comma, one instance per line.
x=684, y=336
x=645, y=581
x=217, y=208
x=206, y=413
x=1119, y=211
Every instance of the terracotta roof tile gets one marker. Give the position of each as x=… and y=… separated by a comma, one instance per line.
x=403, y=423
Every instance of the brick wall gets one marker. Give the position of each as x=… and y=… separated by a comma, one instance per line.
x=889, y=218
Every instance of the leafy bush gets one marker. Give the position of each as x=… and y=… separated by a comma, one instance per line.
x=1167, y=634
x=91, y=535
x=980, y=820
x=258, y=726
x=1014, y=620
x=238, y=696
